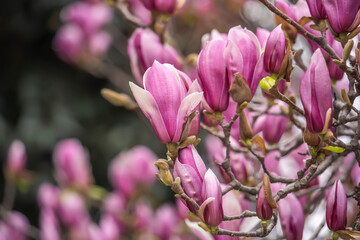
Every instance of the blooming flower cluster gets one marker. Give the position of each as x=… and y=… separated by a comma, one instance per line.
x=275, y=145
x=82, y=38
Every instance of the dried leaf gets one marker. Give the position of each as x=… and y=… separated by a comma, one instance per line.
x=304, y=20
x=239, y=89
x=259, y=142
x=285, y=62
x=118, y=99
x=268, y=192
x=246, y=131
x=315, y=27
x=349, y=234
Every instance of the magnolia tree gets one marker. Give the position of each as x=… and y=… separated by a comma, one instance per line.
x=282, y=133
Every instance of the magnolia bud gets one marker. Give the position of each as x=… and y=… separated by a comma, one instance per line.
x=336, y=207
x=71, y=162
x=16, y=158
x=263, y=209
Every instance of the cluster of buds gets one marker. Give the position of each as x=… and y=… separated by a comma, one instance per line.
x=81, y=39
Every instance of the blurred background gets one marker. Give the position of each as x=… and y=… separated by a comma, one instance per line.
x=44, y=100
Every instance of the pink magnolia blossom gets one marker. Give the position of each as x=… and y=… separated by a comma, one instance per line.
x=274, y=51
x=16, y=158
x=291, y=217
x=342, y=15
x=132, y=169
x=315, y=93
x=336, y=206
x=72, y=165
x=144, y=47
x=212, y=196
x=165, y=100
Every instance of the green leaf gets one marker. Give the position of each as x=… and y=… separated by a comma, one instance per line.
x=97, y=192
x=334, y=149
x=22, y=185
x=266, y=83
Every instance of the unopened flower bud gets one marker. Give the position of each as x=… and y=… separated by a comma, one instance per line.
x=15, y=226
x=190, y=168
x=316, y=8
x=342, y=15
x=163, y=6
x=48, y=197
x=263, y=209
x=72, y=165
x=213, y=76
x=132, y=169
x=336, y=207
x=72, y=209
x=16, y=158
x=274, y=51
x=49, y=226
x=144, y=47
x=166, y=221
x=315, y=94
x=212, y=195
x=291, y=217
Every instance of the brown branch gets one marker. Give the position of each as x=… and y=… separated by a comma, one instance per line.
x=244, y=214
x=260, y=232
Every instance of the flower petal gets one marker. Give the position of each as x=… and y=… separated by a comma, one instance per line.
x=151, y=110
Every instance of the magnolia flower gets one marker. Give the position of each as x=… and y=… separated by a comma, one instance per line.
x=274, y=51
x=342, y=15
x=213, y=76
x=191, y=169
x=16, y=158
x=131, y=169
x=263, y=209
x=316, y=8
x=291, y=217
x=262, y=35
x=165, y=100
x=315, y=94
x=243, y=53
x=164, y=6
x=71, y=162
x=231, y=207
x=212, y=195
x=166, y=221
x=336, y=206
x=72, y=209
x=144, y=47
x=272, y=125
